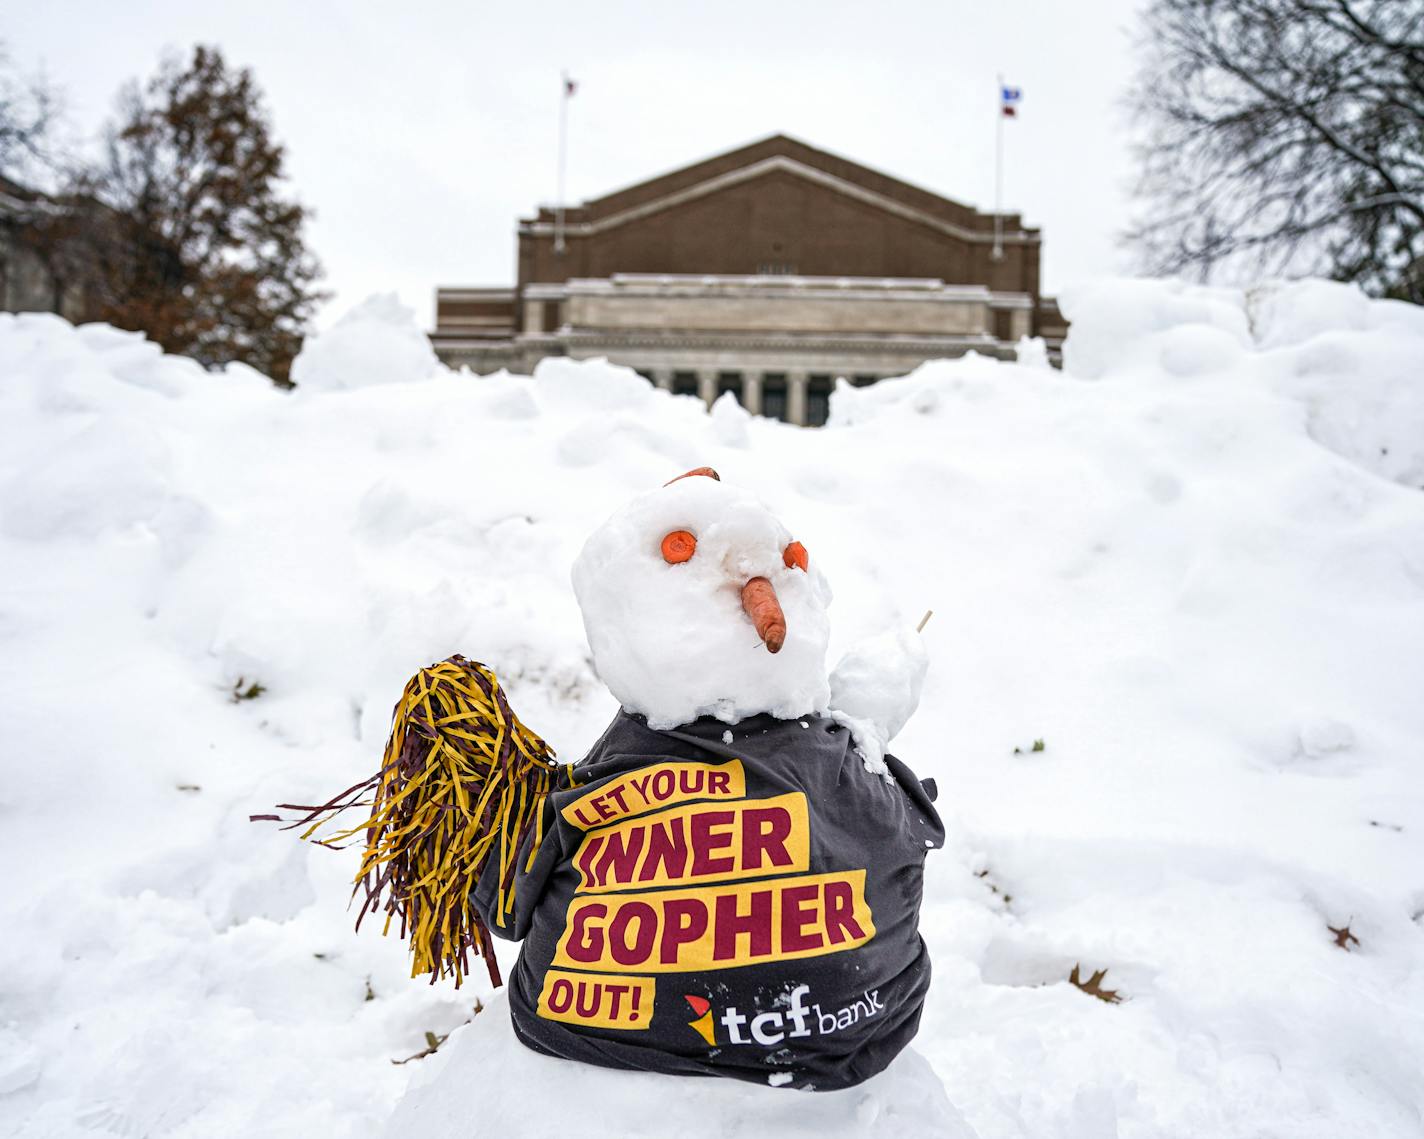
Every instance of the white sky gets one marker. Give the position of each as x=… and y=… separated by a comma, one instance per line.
x=420, y=133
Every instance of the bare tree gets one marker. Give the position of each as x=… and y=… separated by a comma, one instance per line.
x=29, y=109
x=31, y=162
x=1283, y=136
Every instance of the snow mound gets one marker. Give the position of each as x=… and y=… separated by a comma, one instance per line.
x=1288, y=313
x=377, y=342
x=483, y=1073
x=1172, y=709
x=1351, y=364
x=1127, y=327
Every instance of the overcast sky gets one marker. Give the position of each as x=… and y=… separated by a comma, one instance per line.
x=420, y=133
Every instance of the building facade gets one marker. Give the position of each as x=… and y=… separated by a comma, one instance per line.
x=769, y=272
x=36, y=275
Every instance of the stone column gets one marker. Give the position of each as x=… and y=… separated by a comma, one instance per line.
x=796, y=398
x=707, y=385
x=533, y=316
x=751, y=392
x=662, y=378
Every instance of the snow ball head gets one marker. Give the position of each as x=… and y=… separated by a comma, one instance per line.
x=698, y=602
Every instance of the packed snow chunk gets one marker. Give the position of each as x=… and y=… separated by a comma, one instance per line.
x=1032, y=352
x=503, y=396
x=971, y=379
x=730, y=421
x=1120, y=325
x=852, y=406
x=483, y=1073
x=1324, y=737
x=671, y=639
x=582, y=386
x=875, y=689
x=377, y=342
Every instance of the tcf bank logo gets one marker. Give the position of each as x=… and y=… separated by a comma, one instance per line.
x=772, y=1027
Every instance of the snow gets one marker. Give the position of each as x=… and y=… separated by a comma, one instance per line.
x=731, y=423
x=908, y=1099
x=1192, y=565
x=671, y=640
x=875, y=689
x=377, y=342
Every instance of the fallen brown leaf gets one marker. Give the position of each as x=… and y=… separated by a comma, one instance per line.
x=1093, y=986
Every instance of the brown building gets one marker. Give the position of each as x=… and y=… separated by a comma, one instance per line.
x=768, y=271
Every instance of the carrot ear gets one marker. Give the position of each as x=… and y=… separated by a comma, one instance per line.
x=708, y=471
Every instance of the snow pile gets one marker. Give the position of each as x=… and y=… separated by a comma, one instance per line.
x=377, y=342
x=1173, y=711
x=1123, y=328
x=1352, y=365
x=671, y=640
x=907, y=1099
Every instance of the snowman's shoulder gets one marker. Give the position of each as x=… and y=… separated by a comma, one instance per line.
x=894, y=800
x=812, y=753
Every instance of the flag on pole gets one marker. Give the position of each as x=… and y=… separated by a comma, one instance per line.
x=570, y=88
x=1008, y=108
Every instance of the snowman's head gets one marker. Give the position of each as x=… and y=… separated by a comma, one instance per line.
x=698, y=602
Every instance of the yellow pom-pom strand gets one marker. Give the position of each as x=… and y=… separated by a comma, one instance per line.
x=462, y=778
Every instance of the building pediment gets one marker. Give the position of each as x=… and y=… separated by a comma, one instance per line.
x=587, y=222
x=778, y=154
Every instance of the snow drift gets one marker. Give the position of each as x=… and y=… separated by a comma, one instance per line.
x=1173, y=709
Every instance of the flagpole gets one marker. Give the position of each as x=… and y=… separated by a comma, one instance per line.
x=998, y=253
x=563, y=150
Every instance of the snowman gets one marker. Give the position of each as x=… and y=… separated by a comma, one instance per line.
x=729, y=882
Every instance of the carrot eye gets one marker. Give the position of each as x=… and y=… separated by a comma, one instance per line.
x=795, y=555
x=678, y=547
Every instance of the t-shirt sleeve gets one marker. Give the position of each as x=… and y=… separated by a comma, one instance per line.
x=923, y=817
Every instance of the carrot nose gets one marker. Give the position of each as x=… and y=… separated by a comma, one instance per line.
x=760, y=603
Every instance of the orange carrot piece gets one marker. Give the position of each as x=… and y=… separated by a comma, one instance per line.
x=708, y=471
x=678, y=547
x=795, y=555
x=760, y=604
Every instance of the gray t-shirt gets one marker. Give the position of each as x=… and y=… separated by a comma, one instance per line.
x=745, y=909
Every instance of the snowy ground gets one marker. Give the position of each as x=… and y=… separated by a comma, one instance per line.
x=1192, y=565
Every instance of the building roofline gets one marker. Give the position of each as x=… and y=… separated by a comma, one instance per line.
x=681, y=179
x=833, y=180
